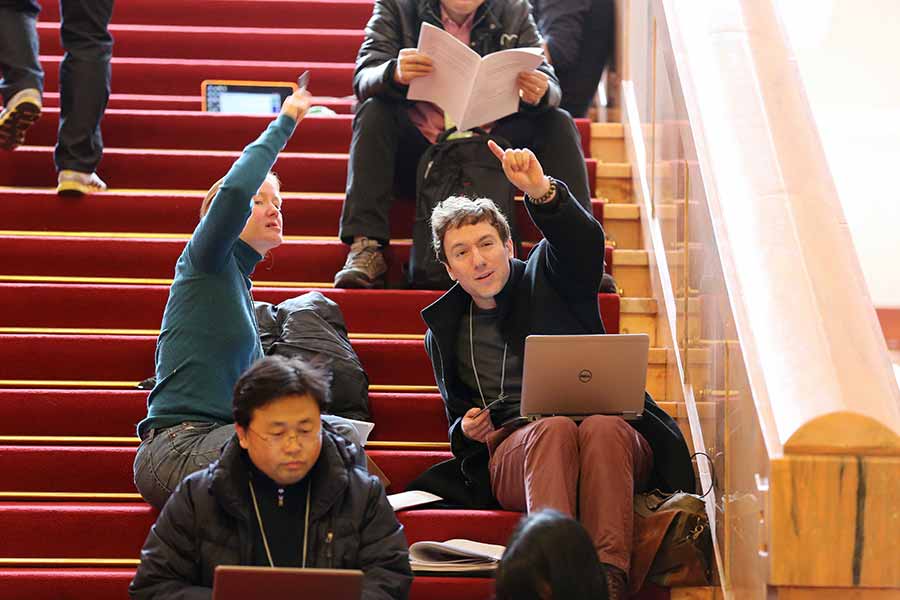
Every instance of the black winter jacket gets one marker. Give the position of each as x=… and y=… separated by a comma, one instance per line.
x=579, y=36
x=554, y=292
x=395, y=24
x=206, y=523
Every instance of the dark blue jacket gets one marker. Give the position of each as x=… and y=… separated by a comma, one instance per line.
x=554, y=292
x=579, y=37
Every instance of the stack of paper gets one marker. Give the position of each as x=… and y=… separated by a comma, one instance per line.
x=459, y=556
x=412, y=498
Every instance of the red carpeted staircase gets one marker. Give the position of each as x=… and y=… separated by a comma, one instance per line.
x=83, y=284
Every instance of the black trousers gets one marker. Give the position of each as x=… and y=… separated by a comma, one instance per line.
x=386, y=147
x=84, y=75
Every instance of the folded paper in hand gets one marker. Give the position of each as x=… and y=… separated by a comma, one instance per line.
x=363, y=429
x=471, y=89
x=454, y=556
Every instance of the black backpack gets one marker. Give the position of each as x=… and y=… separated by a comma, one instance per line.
x=462, y=166
x=311, y=326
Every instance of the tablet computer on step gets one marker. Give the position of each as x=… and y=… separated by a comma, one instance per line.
x=245, y=97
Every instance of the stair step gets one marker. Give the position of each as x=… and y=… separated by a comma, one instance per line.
x=184, y=76
x=401, y=419
x=622, y=223
x=633, y=272
x=221, y=43
x=237, y=13
x=191, y=101
x=398, y=417
x=614, y=182
x=131, y=358
x=607, y=141
x=90, y=530
x=57, y=581
x=151, y=211
x=108, y=470
x=198, y=130
x=32, y=166
x=304, y=260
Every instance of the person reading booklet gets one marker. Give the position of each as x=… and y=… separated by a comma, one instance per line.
x=392, y=129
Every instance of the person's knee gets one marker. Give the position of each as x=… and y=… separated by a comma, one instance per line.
x=605, y=429
x=86, y=47
x=373, y=111
x=555, y=431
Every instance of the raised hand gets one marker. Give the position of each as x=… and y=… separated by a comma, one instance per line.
x=297, y=105
x=411, y=64
x=522, y=169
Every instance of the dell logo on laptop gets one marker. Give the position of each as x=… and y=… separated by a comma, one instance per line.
x=585, y=376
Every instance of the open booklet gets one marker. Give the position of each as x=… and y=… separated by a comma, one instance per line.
x=471, y=89
x=454, y=556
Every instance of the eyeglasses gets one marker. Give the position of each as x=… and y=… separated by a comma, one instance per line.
x=282, y=438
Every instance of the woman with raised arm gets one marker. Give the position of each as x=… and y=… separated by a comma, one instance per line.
x=209, y=335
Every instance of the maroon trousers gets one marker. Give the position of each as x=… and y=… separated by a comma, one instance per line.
x=588, y=470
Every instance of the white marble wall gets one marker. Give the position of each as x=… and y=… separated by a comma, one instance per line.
x=848, y=52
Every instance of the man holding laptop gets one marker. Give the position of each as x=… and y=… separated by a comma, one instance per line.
x=286, y=492
x=476, y=340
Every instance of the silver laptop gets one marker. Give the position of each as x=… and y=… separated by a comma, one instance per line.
x=241, y=583
x=582, y=375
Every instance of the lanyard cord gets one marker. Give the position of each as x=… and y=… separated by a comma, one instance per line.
x=475, y=370
x=263, y=531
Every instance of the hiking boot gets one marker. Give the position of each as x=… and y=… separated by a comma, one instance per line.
x=20, y=113
x=608, y=285
x=365, y=266
x=616, y=582
x=75, y=183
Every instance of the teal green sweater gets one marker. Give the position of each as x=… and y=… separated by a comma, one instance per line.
x=208, y=335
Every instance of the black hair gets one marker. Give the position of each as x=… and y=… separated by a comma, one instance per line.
x=274, y=377
x=550, y=552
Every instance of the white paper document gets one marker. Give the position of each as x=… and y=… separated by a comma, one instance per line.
x=363, y=429
x=471, y=89
x=454, y=556
x=412, y=498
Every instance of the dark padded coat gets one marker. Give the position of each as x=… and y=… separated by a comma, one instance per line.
x=206, y=523
x=554, y=292
x=395, y=24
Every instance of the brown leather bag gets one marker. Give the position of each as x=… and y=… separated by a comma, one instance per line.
x=672, y=541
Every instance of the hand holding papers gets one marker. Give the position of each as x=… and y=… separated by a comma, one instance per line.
x=471, y=89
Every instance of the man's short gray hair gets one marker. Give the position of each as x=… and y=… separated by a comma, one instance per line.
x=457, y=211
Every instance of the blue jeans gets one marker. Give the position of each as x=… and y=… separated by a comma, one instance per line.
x=166, y=456
x=84, y=75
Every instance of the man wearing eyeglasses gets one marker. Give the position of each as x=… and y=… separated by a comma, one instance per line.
x=286, y=492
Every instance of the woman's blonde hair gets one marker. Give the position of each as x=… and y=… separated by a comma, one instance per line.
x=204, y=206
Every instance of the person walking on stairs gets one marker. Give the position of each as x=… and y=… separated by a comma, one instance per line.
x=209, y=335
x=84, y=85
x=287, y=492
x=476, y=338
